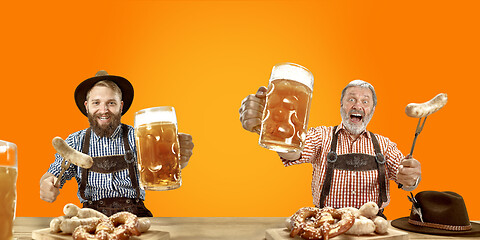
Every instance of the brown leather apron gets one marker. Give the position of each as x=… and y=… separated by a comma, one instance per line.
x=355, y=162
x=110, y=164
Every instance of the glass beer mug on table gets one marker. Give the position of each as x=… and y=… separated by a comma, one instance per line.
x=287, y=107
x=158, y=150
x=8, y=189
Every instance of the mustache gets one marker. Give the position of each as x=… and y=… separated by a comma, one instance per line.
x=361, y=112
x=107, y=114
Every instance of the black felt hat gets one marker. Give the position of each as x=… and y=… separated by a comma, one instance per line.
x=438, y=213
x=124, y=85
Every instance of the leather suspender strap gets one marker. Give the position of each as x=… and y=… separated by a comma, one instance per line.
x=331, y=159
x=382, y=197
x=130, y=161
x=86, y=144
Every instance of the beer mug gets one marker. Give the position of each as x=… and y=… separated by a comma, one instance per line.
x=158, y=150
x=8, y=189
x=287, y=107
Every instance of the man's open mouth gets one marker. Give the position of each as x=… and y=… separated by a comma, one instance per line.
x=356, y=117
x=104, y=118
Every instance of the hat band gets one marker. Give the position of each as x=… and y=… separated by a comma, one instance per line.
x=440, y=226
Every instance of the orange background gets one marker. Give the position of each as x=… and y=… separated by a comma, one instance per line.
x=204, y=57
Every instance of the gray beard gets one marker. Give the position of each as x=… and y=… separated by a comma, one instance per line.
x=354, y=129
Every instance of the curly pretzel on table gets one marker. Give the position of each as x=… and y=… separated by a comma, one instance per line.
x=119, y=226
x=325, y=223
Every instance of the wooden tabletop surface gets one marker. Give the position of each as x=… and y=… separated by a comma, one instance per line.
x=189, y=228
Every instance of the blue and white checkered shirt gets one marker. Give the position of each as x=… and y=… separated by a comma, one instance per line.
x=100, y=185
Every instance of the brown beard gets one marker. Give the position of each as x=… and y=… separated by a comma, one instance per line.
x=104, y=131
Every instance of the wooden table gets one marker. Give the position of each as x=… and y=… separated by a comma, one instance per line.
x=189, y=228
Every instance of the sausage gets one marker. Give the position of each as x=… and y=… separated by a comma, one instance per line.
x=352, y=210
x=369, y=210
x=144, y=224
x=70, y=154
x=381, y=225
x=69, y=225
x=362, y=226
x=71, y=210
x=55, y=224
x=419, y=110
x=289, y=223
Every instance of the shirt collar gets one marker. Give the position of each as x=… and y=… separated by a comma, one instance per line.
x=344, y=129
x=115, y=134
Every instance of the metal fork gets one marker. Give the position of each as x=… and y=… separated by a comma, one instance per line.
x=417, y=132
x=65, y=165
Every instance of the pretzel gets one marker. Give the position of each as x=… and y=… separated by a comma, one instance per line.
x=126, y=222
x=119, y=226
x=325, y=223
x=303, y=217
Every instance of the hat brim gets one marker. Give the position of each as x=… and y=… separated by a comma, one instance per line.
x=402, y=223
x=124, y=85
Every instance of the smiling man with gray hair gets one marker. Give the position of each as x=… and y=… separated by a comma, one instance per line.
x=351, y=166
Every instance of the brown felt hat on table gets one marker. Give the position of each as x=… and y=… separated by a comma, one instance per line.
x=443, y=213
x=124, y=85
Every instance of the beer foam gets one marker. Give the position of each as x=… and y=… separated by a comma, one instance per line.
x=293, y=72
x=155, y=114
x=8, y=154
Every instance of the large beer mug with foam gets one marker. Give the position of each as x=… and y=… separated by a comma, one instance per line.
x=158, y=150
x=8, y=189
x=287, y=107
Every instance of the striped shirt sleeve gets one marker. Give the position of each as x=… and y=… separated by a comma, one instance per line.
x=393, y=157
x=310, y=150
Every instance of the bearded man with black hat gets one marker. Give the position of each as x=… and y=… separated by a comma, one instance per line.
x=104, y=99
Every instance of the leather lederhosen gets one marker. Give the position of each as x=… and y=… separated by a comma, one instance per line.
x=355, y=162
x=110, y=164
